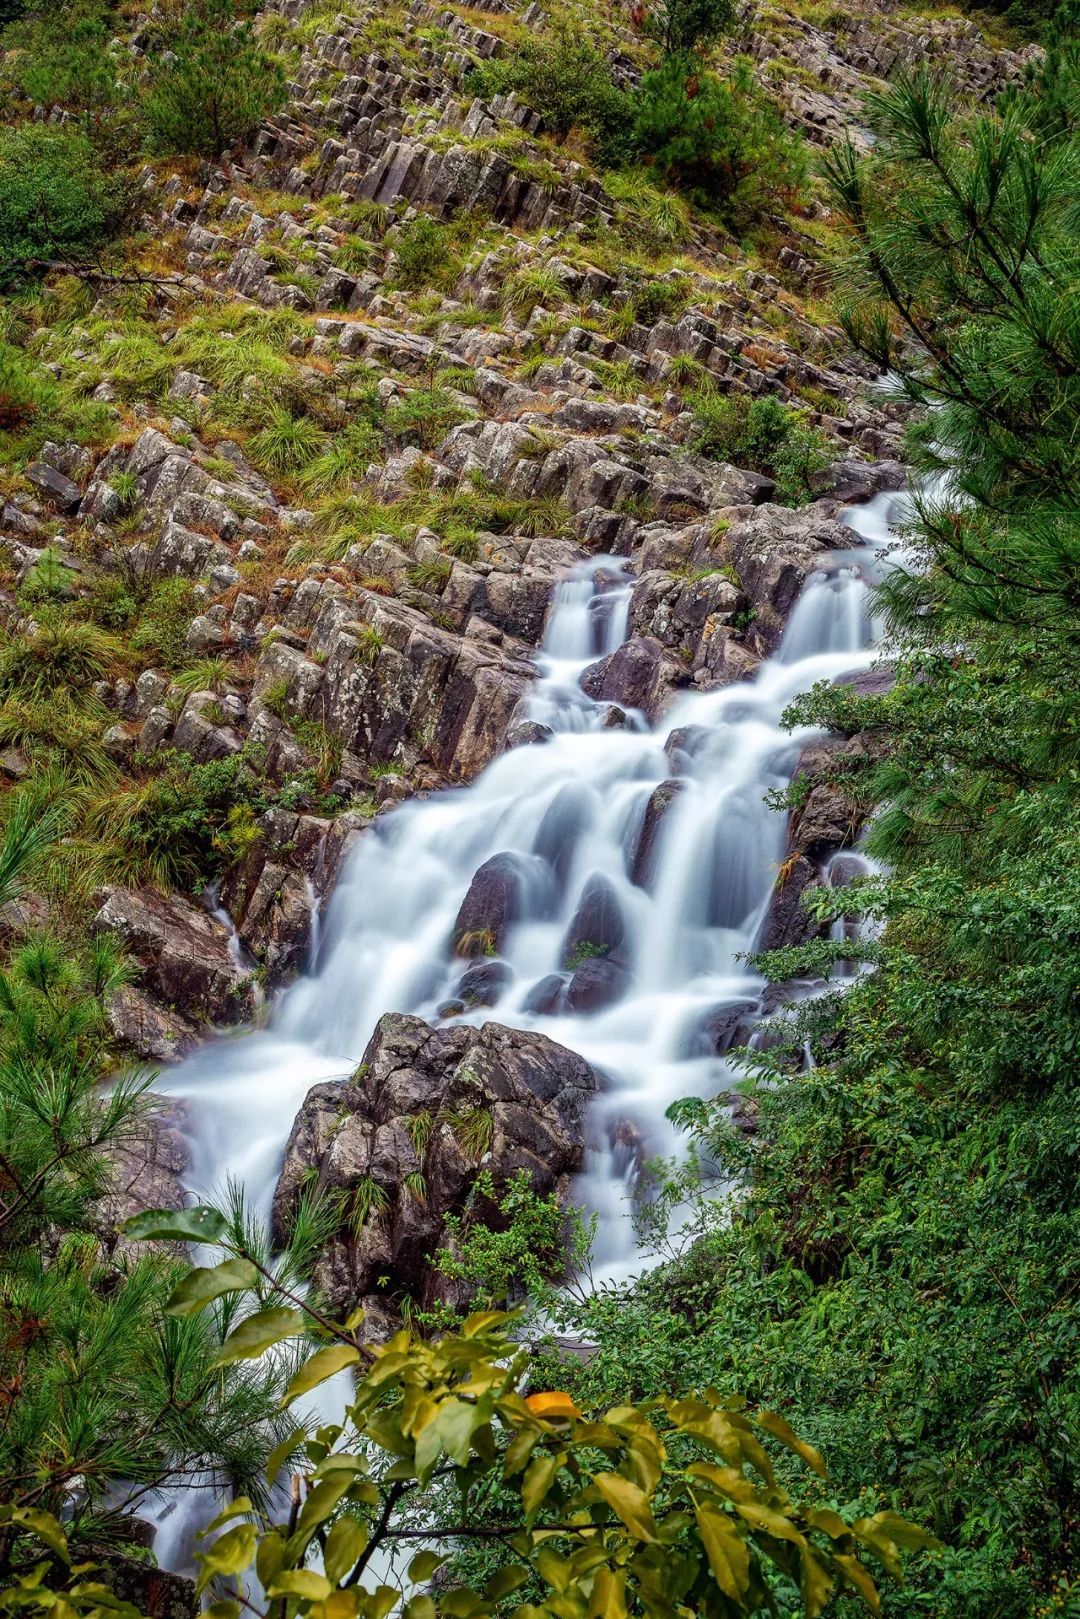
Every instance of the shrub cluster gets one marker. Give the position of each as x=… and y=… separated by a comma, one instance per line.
x=721, y=140
x=763, y=435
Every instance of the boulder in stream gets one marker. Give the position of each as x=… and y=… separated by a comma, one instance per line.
x=401, y=1143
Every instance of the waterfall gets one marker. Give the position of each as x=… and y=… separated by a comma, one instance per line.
x=678, y=915
x=571, y=811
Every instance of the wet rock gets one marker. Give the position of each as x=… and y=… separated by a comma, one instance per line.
x=786, y=923
x=744, y=1113
x=597, y=983
x=483, y=983
x=503, y=890
x=615, y=719
x=511, y=1099
x=598, y=923
x=851, y=481
x=638, y=675
x=726, y=1026
x=527, y=733
x=646, y=856
x=546, y=996
x=183, y=953
x=873, y=682
x=845, y=869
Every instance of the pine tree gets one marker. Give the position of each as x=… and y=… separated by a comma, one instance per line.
x=212, y=86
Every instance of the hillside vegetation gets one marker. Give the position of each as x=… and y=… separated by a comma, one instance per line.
x=330, y=337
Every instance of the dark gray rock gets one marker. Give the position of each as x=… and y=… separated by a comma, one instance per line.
x=505, y=888
x=598, y=922
x=54, y=487
x=424, y=1109
x=646, y=855
x=597, y=983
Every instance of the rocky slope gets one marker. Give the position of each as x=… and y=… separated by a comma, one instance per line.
x=336, y=479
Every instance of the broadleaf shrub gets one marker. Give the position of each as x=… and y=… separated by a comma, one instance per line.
x=762, y=435
x=55, y=202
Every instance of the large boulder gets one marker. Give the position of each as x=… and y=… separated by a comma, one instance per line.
x=184, y=953
x=639, y=674
x=504, y=889
x=400, y=1143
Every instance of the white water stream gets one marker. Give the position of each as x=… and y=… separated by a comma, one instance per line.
x=571, y=812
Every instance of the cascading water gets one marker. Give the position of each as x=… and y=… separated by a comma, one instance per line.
x=676, y=917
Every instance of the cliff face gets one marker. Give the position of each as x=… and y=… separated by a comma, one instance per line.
x=391, y=369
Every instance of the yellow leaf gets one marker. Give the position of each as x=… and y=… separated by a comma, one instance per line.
x=555, y=1404
x=258, y=1332
x=318, y=1368
x=907, y=1535
x=345, y=1543
x=831, y=1522
x=300, y=1582
x=339, y=1605
x=726, y=1550
x=608, y=1595
x=539, y=1477
x=229, y=1554
x=767, y=1518
x=856, y=1575
x=816, y=1583
x=629, y=1502
x=787, y=1436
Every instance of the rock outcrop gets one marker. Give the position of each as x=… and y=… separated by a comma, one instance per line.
x=185, y=955
x=400, y=1144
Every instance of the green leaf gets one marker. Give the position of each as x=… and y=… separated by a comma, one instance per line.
x=231, y=1553
x=423, y=1566
x=345, y=1545
x=270, y=1557
x=45, y=1527
x=198, y=1224
x=729, y=1557
x=519, y=1450
x=484, y=1320
x=787, y=1436
x=505, y=1580
x=204, y=1284
x=235, y=1509
x=318, y=1368
x=320, y=1503
x=258, y=1333
x=281, y=1453
x=384, y=1599
x=629, y=1502
x=420, y=1607
x=539, y=1477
